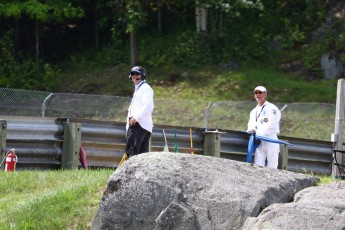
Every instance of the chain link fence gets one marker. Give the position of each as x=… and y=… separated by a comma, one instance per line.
x=303, y=120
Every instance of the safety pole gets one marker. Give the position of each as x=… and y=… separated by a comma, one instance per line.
x=337, y=136
x=3, y=136
x=44, y=105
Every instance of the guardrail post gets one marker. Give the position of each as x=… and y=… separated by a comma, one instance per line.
x=71, y=146
x=283, y=157
x=3, y=136
x=339, y=127
x=212, y=143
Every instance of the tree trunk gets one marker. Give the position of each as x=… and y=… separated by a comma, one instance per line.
x=204, y=20
x=37, y=42
x=159, y=18
x=197, y=19
x=17, y=39
x=134, y=48
x=96, y=25
x=201, y=19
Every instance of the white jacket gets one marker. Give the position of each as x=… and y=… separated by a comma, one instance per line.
x=141, y=107
x=265, y=120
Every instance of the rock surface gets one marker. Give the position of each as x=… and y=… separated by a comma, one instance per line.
x=321, y=207
x=182, y=191
x=332, y=66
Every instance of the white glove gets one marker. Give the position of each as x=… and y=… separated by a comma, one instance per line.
x=251, y=131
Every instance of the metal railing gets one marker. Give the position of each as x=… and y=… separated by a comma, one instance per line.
x=37, y=141
x=230, y=115
x=39, y=144
x=305, y=155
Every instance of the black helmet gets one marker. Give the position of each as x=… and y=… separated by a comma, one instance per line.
x=138, y=69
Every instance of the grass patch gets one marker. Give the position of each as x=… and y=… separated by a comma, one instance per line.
x=237, y=85
x=209, y=83
x=51, y=199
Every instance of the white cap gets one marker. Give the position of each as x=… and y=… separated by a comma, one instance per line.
x=260, y=88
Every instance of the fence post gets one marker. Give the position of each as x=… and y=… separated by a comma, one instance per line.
x=339, y=124
x=212, y=143
x=3, y=136
x=283, y=157
x=71, y=145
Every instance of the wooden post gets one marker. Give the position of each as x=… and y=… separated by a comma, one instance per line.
x=283, y=157
x=3, y=136
x=339, y=124
x=212, y=143
x=71, y=146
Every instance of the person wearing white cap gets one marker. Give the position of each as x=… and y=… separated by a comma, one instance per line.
x=139, y=119
x=264, y=120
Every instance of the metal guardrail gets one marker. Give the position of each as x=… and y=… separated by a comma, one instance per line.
x=182, y=140
x=39, y=142
x=105, y=142
x=305, y=155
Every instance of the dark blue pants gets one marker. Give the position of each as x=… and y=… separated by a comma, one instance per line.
x=137, y=140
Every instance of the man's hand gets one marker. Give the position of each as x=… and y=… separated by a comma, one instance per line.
x=132, y=121
x=251, y=131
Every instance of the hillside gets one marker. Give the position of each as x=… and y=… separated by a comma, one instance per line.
x=210, y=83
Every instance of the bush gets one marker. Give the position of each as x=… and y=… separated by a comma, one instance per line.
x=24, y=72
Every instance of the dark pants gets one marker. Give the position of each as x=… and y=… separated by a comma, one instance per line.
x=137, y=140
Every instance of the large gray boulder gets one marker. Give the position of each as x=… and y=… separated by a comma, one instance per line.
x=184, y=191
x=332, y=66
x=321, y=207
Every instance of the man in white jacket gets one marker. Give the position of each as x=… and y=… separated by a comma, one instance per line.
x=139, y=119
x=264, y=120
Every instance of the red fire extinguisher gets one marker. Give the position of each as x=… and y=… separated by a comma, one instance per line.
x=11, y=161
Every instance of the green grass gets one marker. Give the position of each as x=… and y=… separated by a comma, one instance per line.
x=209, y=83
x=50, y=199
x=46, y=200
x=205, y=84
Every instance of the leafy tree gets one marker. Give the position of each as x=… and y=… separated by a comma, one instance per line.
x=47, y=11
x=16, y=69
x=137, y=13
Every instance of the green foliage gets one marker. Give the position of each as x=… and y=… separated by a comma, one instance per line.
x=296, y=36
x=312, y=56
x=155, y=51
x=192, y=47
x=23, y=73
x=43, y=11
x=135, y=15
x=91, y=58
x=324, y=179
x=330, y=39
x=242, y=32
